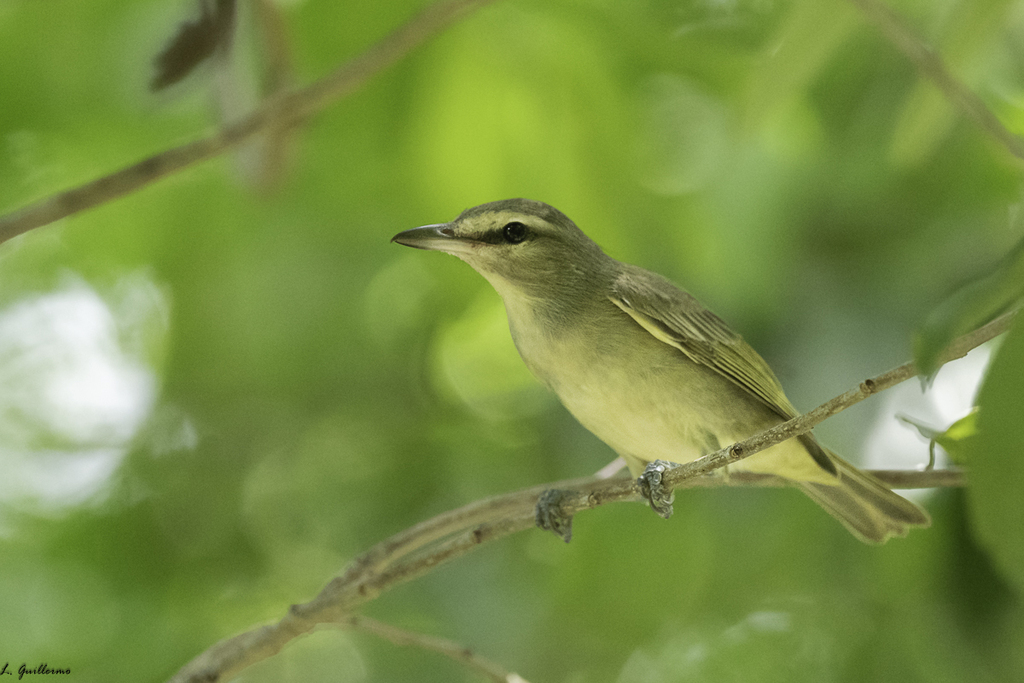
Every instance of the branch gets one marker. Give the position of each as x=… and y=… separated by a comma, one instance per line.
x=931, y=66
x=386, y=565
x=958, y=348
x=406, y=555
x=689, y=474
x=448, y=648
x=281, y=111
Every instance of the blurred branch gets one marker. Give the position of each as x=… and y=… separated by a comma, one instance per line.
x=285, y=110
x=448, y=648
x=268, y=163
x=932, y=66
x=430, y=544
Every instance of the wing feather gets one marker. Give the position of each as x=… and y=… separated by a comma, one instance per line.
x=678, y=319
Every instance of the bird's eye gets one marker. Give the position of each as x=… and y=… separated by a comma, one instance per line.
x=514, y=232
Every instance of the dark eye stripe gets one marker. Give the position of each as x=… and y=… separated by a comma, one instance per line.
x=500, y=236
x=490, y=237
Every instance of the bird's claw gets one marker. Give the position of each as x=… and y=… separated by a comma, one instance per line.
x=650, y=483
x=550, y=516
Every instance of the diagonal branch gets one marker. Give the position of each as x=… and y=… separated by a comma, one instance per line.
x=932, y=66
x=432, y=543
x=804, y=423
x=281, y=111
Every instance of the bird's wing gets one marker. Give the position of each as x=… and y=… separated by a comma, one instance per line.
x=676, y=318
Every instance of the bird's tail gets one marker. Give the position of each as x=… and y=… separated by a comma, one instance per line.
x=864, y=505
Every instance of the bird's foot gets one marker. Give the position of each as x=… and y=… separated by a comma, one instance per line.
x=550, y=516
x=650, y=483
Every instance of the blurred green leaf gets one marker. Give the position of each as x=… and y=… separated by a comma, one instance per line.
x=969, y=308
x=997, y=465
x=956, y=440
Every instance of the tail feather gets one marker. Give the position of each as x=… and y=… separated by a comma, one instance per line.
x=864, y=505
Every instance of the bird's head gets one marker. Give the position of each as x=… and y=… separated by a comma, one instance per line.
x=523, y=248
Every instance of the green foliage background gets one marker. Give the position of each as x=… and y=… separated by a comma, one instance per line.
x=315, y=388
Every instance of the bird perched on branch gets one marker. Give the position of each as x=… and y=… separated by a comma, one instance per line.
x=643, y=365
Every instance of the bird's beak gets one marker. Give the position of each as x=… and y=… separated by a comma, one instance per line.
x=439, y=237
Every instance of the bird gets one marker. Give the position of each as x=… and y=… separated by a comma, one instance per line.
x=643, y=365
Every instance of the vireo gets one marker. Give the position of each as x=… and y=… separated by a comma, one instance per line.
x=643, y=365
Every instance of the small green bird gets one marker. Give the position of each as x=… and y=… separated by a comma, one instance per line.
x=643, y=365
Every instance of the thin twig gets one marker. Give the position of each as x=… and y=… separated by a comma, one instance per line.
x=932, y=66
x=448, y=648
x=281, y=111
